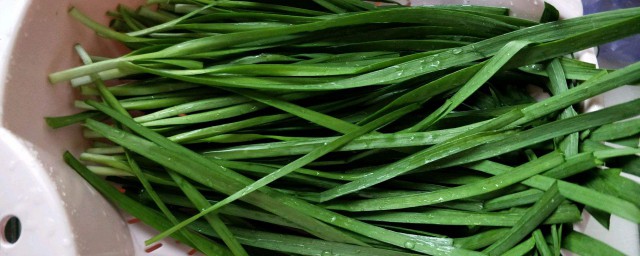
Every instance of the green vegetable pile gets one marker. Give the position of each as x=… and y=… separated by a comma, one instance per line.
x=338, y=127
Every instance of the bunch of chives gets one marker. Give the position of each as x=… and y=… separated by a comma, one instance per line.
x=338, y=127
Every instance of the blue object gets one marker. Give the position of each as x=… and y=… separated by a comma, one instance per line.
x=622, y=52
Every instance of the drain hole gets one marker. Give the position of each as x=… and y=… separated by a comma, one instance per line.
x=11, y=230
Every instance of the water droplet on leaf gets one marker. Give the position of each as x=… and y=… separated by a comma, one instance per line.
x=409, y=244
x=326, y=253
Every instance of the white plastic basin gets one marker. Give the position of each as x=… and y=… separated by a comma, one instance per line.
x=60, y=214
